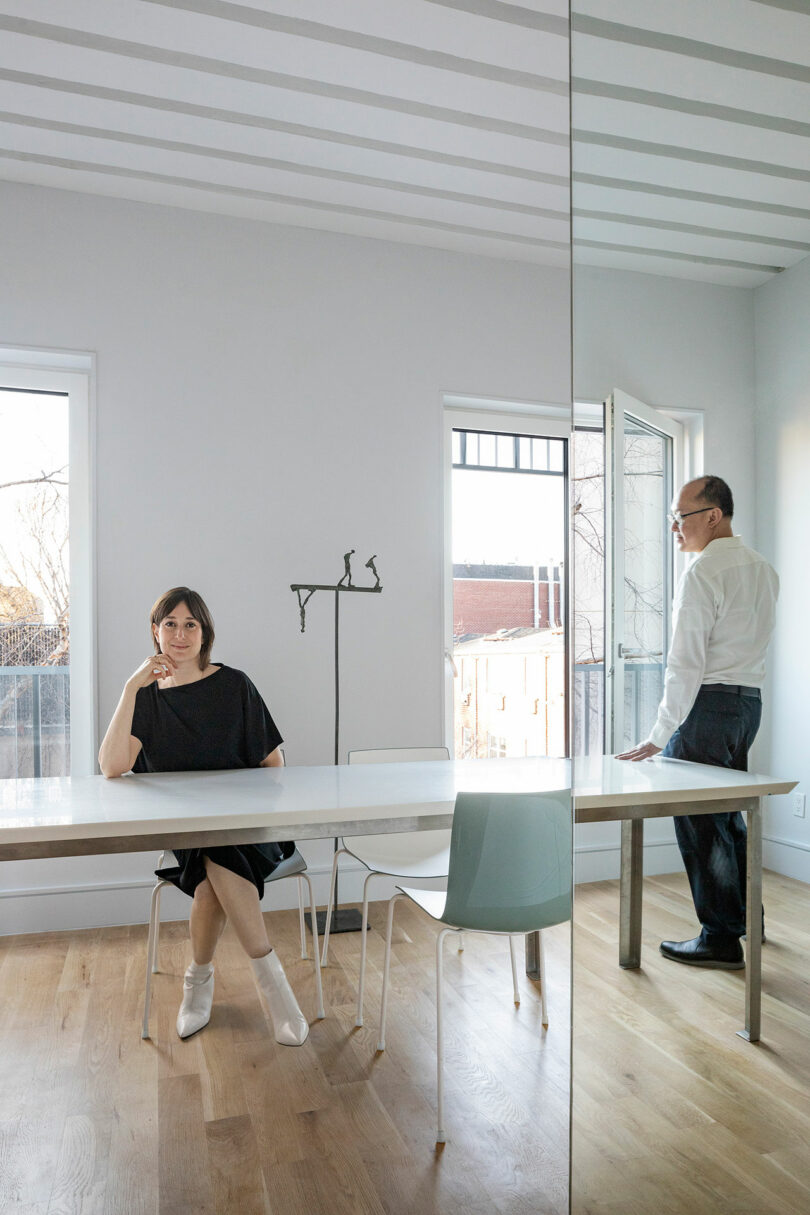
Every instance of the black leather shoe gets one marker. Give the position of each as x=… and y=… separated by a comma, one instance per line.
x=698, y=953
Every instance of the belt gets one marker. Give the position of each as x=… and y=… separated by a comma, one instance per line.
x=735, y=689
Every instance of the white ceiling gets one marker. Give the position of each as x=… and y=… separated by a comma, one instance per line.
x=691, y=120
x=435, y=122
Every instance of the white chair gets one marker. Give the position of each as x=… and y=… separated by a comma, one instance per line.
x=293, y=866
x=411, y=854
x=510, y=872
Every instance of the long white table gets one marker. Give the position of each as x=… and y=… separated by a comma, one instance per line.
x=79, y=816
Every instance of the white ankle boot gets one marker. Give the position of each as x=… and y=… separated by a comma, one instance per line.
x=289, y=1023
x=198, y=996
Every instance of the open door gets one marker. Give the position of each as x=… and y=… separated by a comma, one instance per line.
x=643, y=462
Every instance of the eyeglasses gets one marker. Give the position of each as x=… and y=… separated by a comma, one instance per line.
x=676, y=518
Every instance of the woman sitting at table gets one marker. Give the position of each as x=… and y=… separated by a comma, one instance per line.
x=178, y=713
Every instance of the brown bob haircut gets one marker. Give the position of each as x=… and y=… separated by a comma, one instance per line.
x=195, y=603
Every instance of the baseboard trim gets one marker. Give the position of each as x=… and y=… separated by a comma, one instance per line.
x=79, y=888
x=103, y=904
x=775, y=839
x=25, y=892
x=602, y=862
x=315, y=872
x=99, y=904
x=615, y=847
x=788, y=857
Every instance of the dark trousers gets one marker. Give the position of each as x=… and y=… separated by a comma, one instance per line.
x=719, y=730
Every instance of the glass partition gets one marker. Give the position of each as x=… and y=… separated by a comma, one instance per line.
x=690, y=239
x=288, y=231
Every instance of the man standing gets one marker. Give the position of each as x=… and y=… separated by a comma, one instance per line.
x=710, y=711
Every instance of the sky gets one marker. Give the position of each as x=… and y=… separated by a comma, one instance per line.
x=33, y=438
x=503, y=517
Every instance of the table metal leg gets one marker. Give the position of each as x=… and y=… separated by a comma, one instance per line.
x=533, y=969
x=630, y=893
x=753, y=922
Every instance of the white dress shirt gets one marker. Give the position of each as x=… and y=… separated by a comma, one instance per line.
x=723, y=619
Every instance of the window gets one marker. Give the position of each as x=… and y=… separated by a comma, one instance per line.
x=34, y=584
x=506, y=578
x=47, y=719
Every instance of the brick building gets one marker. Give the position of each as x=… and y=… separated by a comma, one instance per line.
x=488, y=598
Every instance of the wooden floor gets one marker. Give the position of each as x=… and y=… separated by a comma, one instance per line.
x=673, y=1113
x=95, y=1121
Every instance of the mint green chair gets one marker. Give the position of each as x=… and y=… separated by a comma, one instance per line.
x=509, y=873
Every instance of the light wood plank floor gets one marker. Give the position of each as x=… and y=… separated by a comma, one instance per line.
x=95, y=1121
x=673, y=1113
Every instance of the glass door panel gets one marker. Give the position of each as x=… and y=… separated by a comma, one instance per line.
x=646, y=473
x=641, y=451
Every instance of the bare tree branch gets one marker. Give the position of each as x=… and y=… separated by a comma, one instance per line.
x=44, y=520
x=45, y=479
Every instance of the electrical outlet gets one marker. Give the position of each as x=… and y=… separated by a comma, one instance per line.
x=798, y=805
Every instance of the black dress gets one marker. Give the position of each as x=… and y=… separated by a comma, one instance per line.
x=216, y=723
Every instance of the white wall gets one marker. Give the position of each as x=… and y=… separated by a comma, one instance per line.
x=782, y=312
x=675, y=345
x=267, y=398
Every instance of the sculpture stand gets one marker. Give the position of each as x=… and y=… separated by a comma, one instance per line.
x=346, y=919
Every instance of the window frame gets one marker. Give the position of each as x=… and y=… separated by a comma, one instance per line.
x=73, y=374
x=495, y=416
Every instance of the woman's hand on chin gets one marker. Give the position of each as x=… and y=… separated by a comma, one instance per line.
x=157, y=666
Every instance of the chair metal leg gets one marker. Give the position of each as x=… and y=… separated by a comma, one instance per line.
x=316, y=951
x=151, y=953
x=388, y=934
x=542, y=968
x=155, y=926
x=330, y=907
x=363, y=933
x=301, y=924
x=513, y=960
x=154, y=917
x=440, y=1135
x=146, y=1003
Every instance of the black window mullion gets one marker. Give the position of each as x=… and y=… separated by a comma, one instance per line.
x=470, y=453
